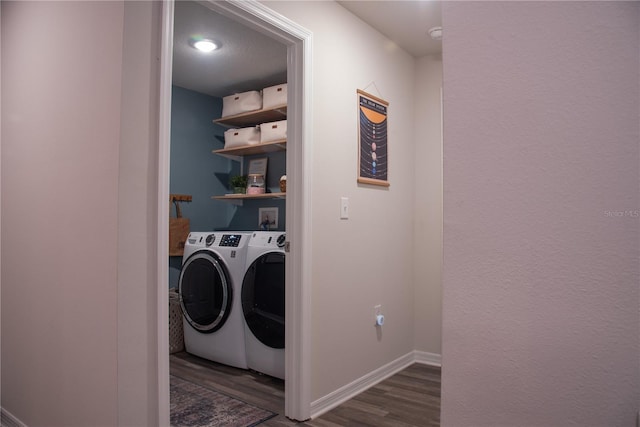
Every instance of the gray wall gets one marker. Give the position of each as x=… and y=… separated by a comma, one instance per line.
x=61, y=128
x=427, y=245
x=367, y=259
x=137, y=288
x=541, y=202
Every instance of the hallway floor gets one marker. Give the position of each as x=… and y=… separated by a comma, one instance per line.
x=409, y=398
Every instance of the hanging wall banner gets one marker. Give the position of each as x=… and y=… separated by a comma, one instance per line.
x=373, y=158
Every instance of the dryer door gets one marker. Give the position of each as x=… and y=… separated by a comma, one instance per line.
x=263, y=299
x=205, y=292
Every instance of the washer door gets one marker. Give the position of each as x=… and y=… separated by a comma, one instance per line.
x=205, y=292
x=263, y=299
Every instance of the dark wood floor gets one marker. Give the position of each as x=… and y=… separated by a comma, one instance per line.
x=409, y=398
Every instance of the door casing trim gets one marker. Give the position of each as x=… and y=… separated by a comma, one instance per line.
x=299, y=42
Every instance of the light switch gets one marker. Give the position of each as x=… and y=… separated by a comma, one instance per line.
x=344, y=208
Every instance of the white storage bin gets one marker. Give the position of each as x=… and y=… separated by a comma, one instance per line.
x=241, y=137
x=274, y=96
x=273, y=131
x=241, y=103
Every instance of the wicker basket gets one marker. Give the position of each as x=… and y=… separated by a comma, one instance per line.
x=176, y=334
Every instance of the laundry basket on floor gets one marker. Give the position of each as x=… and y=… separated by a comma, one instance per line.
x=176, y=334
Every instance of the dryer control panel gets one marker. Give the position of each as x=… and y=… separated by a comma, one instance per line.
x=268, y=239
x=230, y=240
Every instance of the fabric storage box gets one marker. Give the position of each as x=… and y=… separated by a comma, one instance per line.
x=274, y=96
x=176, y=333
x=241, y=103
x=241, y=137
x=273, y=131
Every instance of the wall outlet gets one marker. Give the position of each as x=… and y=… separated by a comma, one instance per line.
x=378, y=318
x=377, y=309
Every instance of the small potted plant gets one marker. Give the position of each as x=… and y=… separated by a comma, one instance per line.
x=238, y=183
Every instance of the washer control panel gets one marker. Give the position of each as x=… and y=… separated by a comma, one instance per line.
x=230, y=240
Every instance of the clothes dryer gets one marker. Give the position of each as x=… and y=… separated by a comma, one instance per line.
x=210, y=285
x=263, y=296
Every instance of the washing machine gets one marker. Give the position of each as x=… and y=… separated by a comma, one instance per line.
x=263, y=293
x=210, y=283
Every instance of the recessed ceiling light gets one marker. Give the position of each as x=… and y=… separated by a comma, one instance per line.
x=204, y=45
x=435, y=33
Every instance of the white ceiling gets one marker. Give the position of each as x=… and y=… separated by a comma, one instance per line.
x=406, y=22
x=249, y=60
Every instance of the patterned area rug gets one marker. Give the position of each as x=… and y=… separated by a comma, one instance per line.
x=195, y=406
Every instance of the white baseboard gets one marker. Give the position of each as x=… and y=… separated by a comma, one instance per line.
x=7, y=419
x=426, y=358
x=344, y=393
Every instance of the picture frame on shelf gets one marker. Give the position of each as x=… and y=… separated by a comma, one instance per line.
x=258, y=166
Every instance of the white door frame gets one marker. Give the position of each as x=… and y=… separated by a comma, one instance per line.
x=298, y=205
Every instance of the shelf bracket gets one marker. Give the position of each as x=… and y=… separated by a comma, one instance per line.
x=231, y=157
x=235, y=202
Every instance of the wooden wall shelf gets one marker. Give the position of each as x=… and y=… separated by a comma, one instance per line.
x=237, y=199
x=247, y=150
x=251, y=196
x=253, y=118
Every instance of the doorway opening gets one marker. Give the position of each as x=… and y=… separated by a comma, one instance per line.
x=298, y=207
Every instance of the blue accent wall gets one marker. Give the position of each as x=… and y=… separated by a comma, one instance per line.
x=195, y=170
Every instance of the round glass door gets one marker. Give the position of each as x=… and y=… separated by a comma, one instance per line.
x=263, y=299
x=205, y=292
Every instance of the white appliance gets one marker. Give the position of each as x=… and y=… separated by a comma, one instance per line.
x=263, y=303
x=210, y=283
